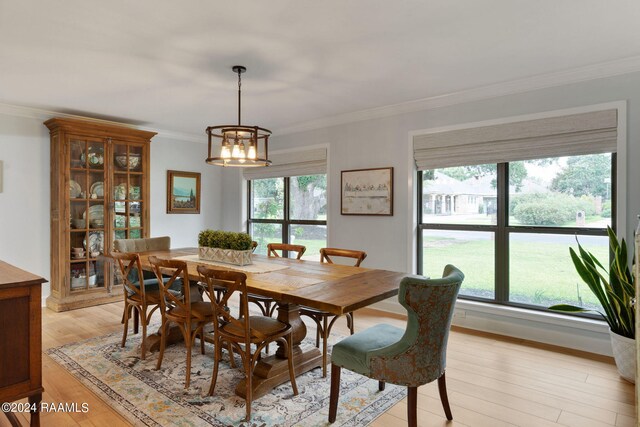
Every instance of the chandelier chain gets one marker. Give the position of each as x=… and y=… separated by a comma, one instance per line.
x=239, y=93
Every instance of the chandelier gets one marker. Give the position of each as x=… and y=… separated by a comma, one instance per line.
x=238, y=145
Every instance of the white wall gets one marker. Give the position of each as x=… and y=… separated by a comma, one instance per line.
x=383, y=142
x=25, y=200
x=169, y=154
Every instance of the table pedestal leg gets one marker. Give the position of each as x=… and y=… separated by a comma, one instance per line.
x=273, y=370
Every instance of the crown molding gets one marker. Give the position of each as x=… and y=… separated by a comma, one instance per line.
x=42, y=114
x=576, y=75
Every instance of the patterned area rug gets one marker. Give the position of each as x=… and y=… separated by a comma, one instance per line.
x=148, y=397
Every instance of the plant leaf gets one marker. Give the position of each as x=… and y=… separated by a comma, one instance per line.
x=568, y=308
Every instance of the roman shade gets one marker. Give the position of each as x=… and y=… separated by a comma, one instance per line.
x=292, y=163
x=571, y=135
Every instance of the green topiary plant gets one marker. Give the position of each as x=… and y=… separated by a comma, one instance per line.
x=615, y=289
x=224, y=240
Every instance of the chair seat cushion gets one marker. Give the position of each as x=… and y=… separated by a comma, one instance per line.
x=152, y=297
x=351, y=352
x=265, y=325
x=256, y=297
x=308, y=311
x=152, y=284
x=201, y=309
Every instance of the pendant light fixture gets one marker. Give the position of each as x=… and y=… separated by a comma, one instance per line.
x=238, y=145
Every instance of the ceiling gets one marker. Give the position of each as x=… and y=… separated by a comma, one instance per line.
x=167, y=65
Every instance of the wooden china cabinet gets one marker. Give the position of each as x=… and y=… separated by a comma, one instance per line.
x=99, y=193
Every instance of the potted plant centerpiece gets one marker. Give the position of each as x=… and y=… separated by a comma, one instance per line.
x=615, y=290
x=224, y=246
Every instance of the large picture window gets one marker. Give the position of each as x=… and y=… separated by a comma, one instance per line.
x=289, y=210
x=509, y=226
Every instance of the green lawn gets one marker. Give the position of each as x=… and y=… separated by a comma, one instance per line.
x=541, y=272
x=313, y=248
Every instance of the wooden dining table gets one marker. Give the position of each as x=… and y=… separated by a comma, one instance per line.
x=335, y=288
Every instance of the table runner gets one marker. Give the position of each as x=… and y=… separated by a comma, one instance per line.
x=255, y=267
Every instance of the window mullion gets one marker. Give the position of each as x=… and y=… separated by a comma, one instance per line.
x=285, y=225
x=249, y=207
x=502, y=237
x=420, y=249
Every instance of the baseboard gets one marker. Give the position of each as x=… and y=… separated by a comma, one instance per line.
x=586, y=335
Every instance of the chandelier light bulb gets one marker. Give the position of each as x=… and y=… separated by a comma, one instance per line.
x=225, y=153
x=252, y=152
x=243, y=154
x=236, y=151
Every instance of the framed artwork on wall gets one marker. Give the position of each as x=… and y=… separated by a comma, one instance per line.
x=183, y=192
x=367, y=192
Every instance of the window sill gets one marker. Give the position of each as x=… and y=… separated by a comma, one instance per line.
x=593, y=325
x=576, y=333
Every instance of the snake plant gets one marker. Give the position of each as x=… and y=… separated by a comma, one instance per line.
x=614, y=289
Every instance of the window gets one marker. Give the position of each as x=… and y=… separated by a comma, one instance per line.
x=289, y=210
x=508, y=226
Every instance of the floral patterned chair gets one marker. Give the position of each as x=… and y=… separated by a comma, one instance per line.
x=410, y=357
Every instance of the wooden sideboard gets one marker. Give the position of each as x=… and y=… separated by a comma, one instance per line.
x=20, y=338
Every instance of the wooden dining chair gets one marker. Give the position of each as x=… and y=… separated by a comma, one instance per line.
x=412, y=356
x=323, y=319
x=189, y=316
x=268, y=305
x=243, y=331
x=161, y=243
x=137, y=299
x=273, y=248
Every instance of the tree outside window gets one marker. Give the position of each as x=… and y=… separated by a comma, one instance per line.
x=289, y=210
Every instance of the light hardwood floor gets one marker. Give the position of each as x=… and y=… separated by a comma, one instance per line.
x=492, y=381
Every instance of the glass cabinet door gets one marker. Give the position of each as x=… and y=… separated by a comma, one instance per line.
x=128, y=191
x=87, y=176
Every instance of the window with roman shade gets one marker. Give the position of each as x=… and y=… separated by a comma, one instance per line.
x=287, y=201
x=505, y=202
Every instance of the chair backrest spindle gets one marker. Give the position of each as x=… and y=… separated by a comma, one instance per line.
x=178, y=271
x=273, y=247
x=327, y=253
x=128, y=263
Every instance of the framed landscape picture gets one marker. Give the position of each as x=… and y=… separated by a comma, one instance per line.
x=183, y=192
x=367, y=192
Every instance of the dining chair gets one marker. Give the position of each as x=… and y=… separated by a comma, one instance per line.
x=323, y=319
x=137, y=298
x=243, y=331
x=410, y=357
x=161, y=243
x=189, y=316
x=268, y=305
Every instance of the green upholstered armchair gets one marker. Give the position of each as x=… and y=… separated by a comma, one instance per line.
x=410, y=357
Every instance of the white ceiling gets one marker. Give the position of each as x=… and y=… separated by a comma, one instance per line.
x=167, y=64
